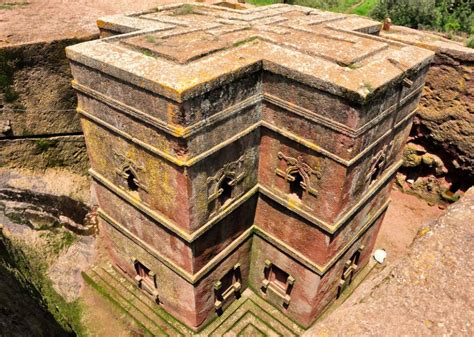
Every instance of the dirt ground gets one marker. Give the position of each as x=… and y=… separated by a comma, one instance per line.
x=405, y=215
x=46, y=20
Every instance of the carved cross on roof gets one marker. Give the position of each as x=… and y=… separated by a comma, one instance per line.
x=178, y=50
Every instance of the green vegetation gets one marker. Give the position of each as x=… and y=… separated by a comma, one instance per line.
x=365, y=7
x=43, y=145
x=263, y=2
x=354, y=66
x=449, y=16
x=361, y=7
x=11, y=5
x=184, y=10
x=470, y=42
x=150, y=38
x=147, y=52
x=239, y=43
x=58, y=240
x=29, y=265
x=441, y=15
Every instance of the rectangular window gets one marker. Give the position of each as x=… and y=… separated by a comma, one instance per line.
x=227, y=287
x=145, y=278
x=279, y=278
x=278, y=281
x=144, y=273
x=227, y=283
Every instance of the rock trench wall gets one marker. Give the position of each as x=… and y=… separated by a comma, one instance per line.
x=439, y=156
x=39, y=127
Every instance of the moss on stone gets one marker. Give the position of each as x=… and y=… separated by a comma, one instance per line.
x=12, y=5
x=30, y=268
x=146, y=52
x=185, y=9
x=242, y=42
x=150, y=38
x=43, y=145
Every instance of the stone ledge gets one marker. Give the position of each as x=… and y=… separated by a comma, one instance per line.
x=249, y=310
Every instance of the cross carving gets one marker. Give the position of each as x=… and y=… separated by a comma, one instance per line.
x=198, y=30
x=296, y=166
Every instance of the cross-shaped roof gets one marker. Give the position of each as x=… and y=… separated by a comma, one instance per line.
x=181, y=50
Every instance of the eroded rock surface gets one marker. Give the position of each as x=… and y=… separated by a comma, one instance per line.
x=426, y=293
x=49, y=214
x=439, y=158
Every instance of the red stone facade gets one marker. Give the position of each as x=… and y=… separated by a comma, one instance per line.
x=243, y=149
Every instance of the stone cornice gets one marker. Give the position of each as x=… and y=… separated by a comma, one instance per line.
x=260, y=43
x=169, y=224
x=247, y=234
x=186, y=132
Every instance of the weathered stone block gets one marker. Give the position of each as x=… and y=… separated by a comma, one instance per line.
x=265, y=139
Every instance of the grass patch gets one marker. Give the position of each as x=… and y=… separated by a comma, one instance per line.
x=263, y=2
x=43, y=145
x=361, y=7
x=185, y=9
x=365, y=7
x=11, y=5
x=344, y=6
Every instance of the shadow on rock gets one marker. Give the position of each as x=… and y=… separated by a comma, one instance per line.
x=43, y=211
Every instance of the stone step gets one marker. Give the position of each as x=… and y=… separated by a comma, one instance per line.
x=108, y=292
x=146, y=303
x=248, y=316
x=146, y=318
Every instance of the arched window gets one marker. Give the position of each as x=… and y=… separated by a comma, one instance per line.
x=295, y=186
x=226, y=190
x=131, y=180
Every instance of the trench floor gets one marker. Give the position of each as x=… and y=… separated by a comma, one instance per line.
x=249, y=315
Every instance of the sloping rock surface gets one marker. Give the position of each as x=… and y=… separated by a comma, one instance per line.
x=426, y=293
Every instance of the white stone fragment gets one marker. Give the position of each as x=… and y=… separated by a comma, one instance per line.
x=380, y=255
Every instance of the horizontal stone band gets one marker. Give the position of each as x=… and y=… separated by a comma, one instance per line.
x=196, y=277
x=190, y=237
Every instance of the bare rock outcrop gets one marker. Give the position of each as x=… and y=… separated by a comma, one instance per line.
x=426, y=293
x=439, y=158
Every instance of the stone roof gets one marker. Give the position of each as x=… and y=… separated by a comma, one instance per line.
x=429, y=40
x=180, y=51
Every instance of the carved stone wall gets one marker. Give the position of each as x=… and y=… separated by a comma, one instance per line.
x=264, y=138
x=39, y=127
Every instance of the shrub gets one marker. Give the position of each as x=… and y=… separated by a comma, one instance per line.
x=470, y=42
x=442, y=15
